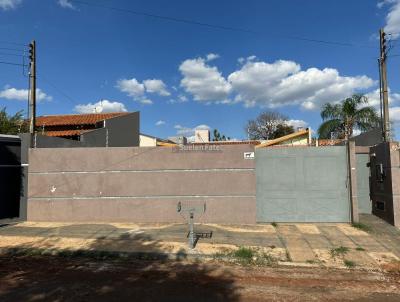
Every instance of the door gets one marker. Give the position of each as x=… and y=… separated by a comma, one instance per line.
x=364, y=201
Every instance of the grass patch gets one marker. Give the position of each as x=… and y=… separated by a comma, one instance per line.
x=361, y=226
x=349, y=263
x=244, y=253
x=310, y=261
x=339, y=251
x=274, y=224
x=246, y=256
x=359, y=248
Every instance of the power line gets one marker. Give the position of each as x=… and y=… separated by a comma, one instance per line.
x=187, y=21
x=59, y=90
x=11, y=63
x=12, y=43
x=12, y=49
x=216, y=26
x=11, y=54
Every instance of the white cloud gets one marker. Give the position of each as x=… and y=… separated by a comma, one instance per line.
x=211, y=56
x=204, y=82
x=137, y=90
x=9, y=4
x=156, y=86
x=297, y=124
x=374, y=98
x=101, y=106
x=394, y=114
x=384, y=2
x=160, y=123
x=189, y=132
x=392, y=18
x=284, y=83
x=308, y=105
x=10, y=93
x=66, y=4
x=258, y=83
x=131, y=87
x=146, y=101
x=180, y=99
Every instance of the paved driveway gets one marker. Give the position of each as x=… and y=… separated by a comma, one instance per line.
x=324, y=244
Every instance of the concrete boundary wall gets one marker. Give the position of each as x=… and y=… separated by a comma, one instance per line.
x=140, y=184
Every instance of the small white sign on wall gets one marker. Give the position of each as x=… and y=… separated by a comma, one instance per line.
x=248, y=155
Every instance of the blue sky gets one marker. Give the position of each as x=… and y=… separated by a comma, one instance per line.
x=182, y=76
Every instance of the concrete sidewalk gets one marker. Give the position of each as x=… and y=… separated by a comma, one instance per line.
x=323, y=244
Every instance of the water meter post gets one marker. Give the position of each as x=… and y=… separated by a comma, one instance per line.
x=191, y=231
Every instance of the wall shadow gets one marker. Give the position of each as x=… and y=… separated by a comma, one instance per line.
x=115, y=266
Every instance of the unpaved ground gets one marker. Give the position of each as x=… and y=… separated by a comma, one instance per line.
x=48, y=278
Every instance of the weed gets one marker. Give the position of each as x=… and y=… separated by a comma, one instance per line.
x=310, y=261
x=246, y=256
x=361, y=226
x=288, y=258
x=220, y=255
x=244, y=253
x=349, y=263
x=339, y=251
x=274, y=224
x=267, y=259
x=359, y=248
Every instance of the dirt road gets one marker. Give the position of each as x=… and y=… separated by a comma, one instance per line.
x=48, y=278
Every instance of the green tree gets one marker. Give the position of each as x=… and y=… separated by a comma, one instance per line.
x=350, y=114
x=282, y=130
x=218, y=137
x=268, y=125
x=12, y=124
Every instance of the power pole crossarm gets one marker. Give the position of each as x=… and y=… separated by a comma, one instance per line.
x=385, y=96
x=32, y=92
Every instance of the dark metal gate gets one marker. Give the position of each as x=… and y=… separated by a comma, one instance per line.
x=10, y=176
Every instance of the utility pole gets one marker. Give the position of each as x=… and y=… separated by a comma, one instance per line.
x=32, y=84
x=385, y=97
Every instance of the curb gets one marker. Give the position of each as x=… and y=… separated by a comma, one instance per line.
x=155, y=256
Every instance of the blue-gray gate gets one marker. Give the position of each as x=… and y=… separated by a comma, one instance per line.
x=302, y=184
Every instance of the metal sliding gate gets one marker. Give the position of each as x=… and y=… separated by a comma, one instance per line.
x=10, y=176
x=302, y=184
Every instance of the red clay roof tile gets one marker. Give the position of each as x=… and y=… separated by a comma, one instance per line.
x=75, y=119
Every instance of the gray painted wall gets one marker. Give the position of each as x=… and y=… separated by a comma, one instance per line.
x=124, y=131
x=140, y=184
x=370, y=138
x=120, y=131
x=95, y=138
x=43, y=141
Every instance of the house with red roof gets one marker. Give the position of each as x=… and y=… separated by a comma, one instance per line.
x=117, y=129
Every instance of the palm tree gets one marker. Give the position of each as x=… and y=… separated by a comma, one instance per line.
x=343, y=118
